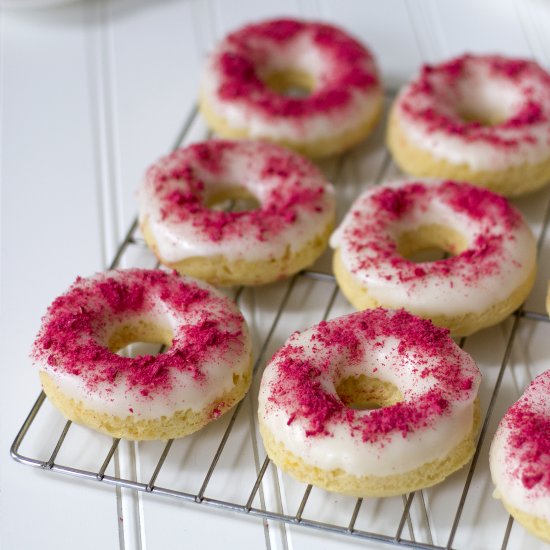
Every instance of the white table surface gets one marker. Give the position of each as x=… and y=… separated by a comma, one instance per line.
x=90, y=94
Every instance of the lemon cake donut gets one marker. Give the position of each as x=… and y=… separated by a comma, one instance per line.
x=483, y=119
x=375, y=403
x=520, y=458
x=491, y=270
x=243, y=85
x=286, y=233
x=204, y=372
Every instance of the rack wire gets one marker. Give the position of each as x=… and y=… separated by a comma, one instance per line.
x=256, y=503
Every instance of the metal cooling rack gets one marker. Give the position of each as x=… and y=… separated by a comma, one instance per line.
x=255, y=504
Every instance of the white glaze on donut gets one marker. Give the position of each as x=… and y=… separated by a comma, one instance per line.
x=210, y=344
x=520, y=451
x=500, y=253
x=296, y=202
x=515, y=92
x=346, y=79
x=298, y=401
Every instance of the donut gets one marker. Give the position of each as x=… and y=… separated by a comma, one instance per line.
x=490, y=272
x=204, y=372
x=245, y=78
x=374, y=403
x=287, y=232
x=519, y=458
x=478, y=118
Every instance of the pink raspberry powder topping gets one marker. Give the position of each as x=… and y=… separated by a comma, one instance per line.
x=529, y=441
x=433, y=100
x=300, y=392
x=75, y=330
x=369, y=239
x=348, y=67
x=195, y=170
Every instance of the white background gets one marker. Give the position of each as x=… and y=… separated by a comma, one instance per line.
x=90, y=94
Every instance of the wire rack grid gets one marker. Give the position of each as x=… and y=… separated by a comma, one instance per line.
x=414, y=520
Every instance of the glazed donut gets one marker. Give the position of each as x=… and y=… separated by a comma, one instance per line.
x=482, y=119
x=288, y=231
x=375, y=403
x=204, y=372
x=491, y=272
x=520, y=458
x=245, y=77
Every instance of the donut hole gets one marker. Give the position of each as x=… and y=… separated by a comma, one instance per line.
x=139, y=338
x=486, y=101
x=429, y=243
x=290, y=83
x=485, y=117
x=235, y=198
x=363, y=392
x=476, y=97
